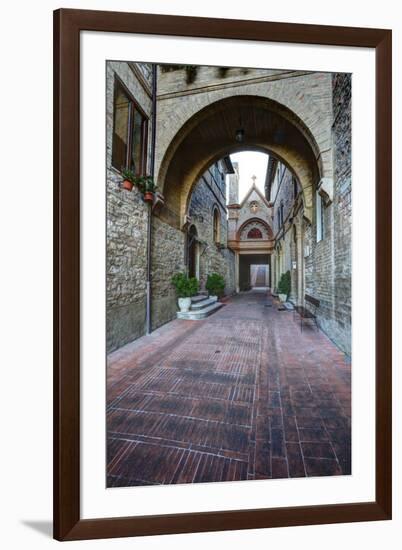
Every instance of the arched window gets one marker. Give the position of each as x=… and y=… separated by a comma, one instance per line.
x=216, y=226
x=254, y=233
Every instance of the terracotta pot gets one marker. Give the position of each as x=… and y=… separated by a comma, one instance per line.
x=148, y=196
x=127, y=185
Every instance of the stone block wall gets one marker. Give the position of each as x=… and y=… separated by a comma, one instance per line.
x=327, y=262
x=319, y=269
x=342, y=140
x=212, y=258
x=328, y=268
x=126, y=241
x=167, y=259
x=284, y=195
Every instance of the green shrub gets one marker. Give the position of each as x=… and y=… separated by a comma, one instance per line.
x=185, y=286
x=215, y=284
x=284, y=285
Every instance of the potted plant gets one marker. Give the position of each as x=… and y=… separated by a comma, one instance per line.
x=191, y=73
x=284, y=286
x=145, y=184
x=149, y=188
x=215, y=285
x=186, y=287
x=128, y=180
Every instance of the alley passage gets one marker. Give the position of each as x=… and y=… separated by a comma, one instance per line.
x=243, y=394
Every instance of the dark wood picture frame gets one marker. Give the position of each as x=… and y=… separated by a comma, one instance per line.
x=67, y=26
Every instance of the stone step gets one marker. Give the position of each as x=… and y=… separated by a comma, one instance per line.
x=200, y=313
x=203, y=303
x=198, y=298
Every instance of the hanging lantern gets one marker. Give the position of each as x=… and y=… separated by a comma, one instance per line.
x=239, y=136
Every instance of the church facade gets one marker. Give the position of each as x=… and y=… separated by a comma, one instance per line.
x=250, y=237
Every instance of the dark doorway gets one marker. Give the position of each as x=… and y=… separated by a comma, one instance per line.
x=192, y=251
x=259, y=275
x=245, y=263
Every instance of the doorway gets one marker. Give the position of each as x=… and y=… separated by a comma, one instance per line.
x=259, y=275
x=192, y=252
x=254, y=271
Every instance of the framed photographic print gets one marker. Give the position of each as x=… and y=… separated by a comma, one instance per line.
x=222, y=206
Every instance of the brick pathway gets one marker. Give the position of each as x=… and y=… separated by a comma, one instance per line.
x=241, y=395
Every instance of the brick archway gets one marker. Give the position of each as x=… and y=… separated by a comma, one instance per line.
x=210, y=134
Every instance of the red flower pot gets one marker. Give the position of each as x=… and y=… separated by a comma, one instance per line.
x=148, y=196
x=127, y=185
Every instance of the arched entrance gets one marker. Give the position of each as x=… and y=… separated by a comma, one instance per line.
x=254, y=271
x=210, y=134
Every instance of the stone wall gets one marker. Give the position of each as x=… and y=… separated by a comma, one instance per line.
x=207, y=195
x=127, y=216
x=328, y=268
x=342, y=139
x=319, y=270
x=282, y=194
x=167, y=259
x=326, y=263
x=126, y=241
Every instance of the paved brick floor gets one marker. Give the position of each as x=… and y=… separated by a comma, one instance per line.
x=240, y=395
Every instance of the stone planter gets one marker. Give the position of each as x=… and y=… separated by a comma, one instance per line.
x=127, y=185
x=282, y=297
x=184, y=304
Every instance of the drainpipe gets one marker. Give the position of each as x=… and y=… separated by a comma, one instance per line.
x=149, y=220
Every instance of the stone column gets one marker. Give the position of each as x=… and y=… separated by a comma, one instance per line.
x=234, y=185
x=300, y=261
x=273, y=271
x=237, y=285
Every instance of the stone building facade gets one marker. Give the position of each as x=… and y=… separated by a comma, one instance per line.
x=317, y=252
x=126, y=248
x=300, y=118
x=127, y=219
x=208, y=215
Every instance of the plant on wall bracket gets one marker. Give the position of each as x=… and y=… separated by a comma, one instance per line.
x=145, y=184
x=222, y=71
x=191, y=71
